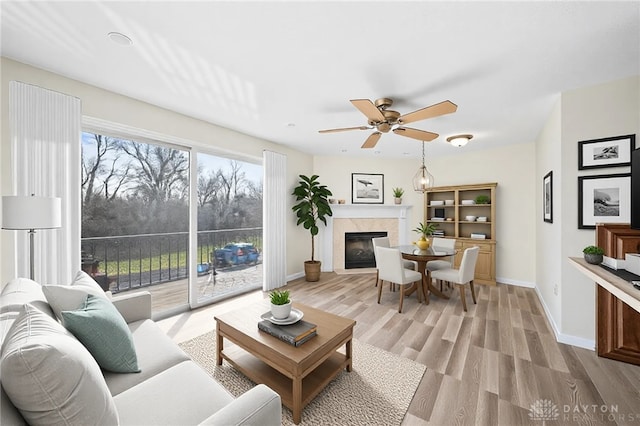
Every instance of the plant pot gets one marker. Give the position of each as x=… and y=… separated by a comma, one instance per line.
x=281, y=311
x=422, y=244
x=397, y=200
x=594, y=259
x=312, y=270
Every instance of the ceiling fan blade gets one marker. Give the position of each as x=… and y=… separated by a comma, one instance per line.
x=442, y=108
x=368, y=109
x=372, y=140
x=344, y=129
x=420, y=135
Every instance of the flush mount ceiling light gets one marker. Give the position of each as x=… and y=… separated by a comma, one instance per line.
x=120, y=38
x=459, y=140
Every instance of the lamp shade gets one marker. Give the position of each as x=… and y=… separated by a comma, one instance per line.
x=31, y=212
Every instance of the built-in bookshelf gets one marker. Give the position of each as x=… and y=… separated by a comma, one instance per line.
x=468, y=214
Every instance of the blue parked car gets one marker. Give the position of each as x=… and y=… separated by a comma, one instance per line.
x=236, y=254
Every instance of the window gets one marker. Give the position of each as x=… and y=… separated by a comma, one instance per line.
x=135, y=221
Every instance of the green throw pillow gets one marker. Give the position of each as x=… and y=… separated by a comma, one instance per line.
x=101, y=329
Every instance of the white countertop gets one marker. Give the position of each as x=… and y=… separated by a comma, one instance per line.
x=615, y=285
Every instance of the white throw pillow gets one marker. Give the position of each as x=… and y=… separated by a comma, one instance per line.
x=73, y=296
x=84, y=280
x=50, y=377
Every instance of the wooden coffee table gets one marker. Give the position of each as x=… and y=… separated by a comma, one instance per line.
x=297, y=374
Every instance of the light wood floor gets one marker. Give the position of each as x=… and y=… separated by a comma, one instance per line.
x=487, y=366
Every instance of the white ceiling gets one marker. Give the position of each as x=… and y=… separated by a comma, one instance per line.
x=258, y=67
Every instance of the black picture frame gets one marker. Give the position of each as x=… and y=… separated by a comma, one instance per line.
x=604, y=199
x=547, y=197
x=606, y=152
x=367, y=188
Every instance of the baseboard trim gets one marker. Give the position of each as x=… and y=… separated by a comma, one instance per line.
x=517, y=283
x=295, y=276
x=567, y=339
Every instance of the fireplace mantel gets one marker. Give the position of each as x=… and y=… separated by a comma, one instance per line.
x=361, y=211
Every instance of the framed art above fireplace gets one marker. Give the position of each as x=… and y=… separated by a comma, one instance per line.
x=367, y=188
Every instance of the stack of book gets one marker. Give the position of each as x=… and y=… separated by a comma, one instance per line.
x=478, y=236
x=438, y=233
x=294, y=334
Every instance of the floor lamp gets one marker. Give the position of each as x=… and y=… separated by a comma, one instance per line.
x=31, y=213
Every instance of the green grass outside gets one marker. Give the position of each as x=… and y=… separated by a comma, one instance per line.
x=154, y=263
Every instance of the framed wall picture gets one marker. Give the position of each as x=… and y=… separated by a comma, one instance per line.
x=367, y=188
x=604, y=198
x=606, y=152
x=547, y=200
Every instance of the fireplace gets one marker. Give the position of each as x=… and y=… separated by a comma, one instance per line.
x=392, y=218
x=358, y=249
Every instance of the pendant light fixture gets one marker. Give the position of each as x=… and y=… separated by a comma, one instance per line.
x=422, y=180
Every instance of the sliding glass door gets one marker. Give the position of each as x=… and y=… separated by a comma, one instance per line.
x=135, y=210
x=139, y=223
x=229, y=228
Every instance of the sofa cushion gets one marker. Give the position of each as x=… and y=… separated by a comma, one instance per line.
x=156, y=352
x=183, y=394
x=50, y=377
x=103, y=331
x=9, y=414
x=72, y=296
x=19, y=291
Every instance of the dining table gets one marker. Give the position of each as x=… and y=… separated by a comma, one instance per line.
x=421, y=257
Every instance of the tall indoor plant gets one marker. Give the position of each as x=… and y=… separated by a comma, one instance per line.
x=312, y=206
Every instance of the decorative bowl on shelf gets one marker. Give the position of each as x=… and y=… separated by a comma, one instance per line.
x=448, y=202
x=436, y=203
x=470, y=218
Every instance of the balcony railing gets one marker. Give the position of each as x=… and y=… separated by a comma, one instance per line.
x=126, y=262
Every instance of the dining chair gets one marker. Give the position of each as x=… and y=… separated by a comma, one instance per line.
x=384, y=242
x=446, y=244
x=391, y=268
x=461, y=276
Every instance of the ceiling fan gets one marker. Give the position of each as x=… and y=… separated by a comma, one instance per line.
x=383, y=119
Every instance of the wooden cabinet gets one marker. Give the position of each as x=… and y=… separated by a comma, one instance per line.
x=456, y=211
x=618, y=323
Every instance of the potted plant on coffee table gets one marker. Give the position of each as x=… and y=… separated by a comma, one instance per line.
x=280, y=304
x=312, y=206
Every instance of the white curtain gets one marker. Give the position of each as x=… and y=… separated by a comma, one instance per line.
x=46, y=132
x=274, y=208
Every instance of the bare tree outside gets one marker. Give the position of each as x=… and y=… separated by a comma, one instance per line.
x=131, y=187
x=135, y=210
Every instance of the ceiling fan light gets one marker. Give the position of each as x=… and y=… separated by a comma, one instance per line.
x=459, y=140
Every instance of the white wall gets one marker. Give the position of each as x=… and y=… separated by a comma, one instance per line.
x=110, y=106
x=609, y=109
x=548, y=235
x=512, y=167
x=600, y=111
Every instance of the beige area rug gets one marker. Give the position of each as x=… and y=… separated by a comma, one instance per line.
x=377, y=392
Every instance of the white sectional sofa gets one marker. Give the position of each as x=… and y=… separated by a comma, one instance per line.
x=49, y=377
